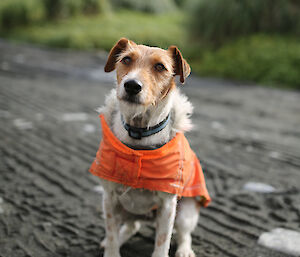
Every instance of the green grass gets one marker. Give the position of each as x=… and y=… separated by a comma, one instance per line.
x=217, y=21
x=269, y=60
x=14, y=13
x=102, y=31
x=153, y=6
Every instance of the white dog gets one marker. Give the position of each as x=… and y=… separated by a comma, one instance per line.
x=145, y=112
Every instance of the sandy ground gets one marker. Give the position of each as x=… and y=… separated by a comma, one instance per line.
x=48, y=205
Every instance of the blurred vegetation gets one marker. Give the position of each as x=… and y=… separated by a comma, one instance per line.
x=101, y=32
x=67, y=8
x=252, y=40
x=15, y=13
x=153, y=6
x=270, y=60
x=216, y=21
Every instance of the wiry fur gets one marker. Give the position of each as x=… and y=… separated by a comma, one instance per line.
x=125, y=209
x=175, y=102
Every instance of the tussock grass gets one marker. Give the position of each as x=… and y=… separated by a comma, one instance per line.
x=66, y=8
x=153, y=6
x=15, y=13
x=216, y=21
x=102, y=31
x=269, y=60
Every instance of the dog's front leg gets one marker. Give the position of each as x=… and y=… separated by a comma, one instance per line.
x=111, y=224
x=164, y=224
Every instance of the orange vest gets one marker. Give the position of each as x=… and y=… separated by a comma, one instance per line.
x=173, y=168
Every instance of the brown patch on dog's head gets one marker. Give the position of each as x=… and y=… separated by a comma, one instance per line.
x=151, y=67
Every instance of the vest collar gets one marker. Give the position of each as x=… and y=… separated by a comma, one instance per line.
x=139, y=133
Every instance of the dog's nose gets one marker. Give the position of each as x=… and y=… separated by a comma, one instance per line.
x=132, y=87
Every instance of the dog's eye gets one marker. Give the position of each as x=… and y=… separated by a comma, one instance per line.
x=126, y=60
x=159, y=67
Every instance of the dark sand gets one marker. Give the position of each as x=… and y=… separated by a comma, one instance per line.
x=243, y=133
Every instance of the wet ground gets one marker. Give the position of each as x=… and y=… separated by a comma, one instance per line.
x=49, y=134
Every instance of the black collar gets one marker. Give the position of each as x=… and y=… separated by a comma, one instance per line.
x=139, y=133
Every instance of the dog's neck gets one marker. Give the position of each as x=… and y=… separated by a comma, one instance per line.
x=146, y=116
x=143, y=117
x=174, y=103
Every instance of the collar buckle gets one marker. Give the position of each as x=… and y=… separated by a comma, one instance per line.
x=135, y=134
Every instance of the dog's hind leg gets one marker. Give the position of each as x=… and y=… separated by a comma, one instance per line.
x=185, y=223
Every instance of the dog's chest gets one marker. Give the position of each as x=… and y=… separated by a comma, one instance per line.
x=137, y=201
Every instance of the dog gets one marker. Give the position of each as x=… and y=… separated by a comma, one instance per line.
x=147, y=113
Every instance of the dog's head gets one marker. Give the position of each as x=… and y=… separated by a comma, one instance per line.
x=145, y=74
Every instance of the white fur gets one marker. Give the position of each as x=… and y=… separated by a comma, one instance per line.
x=175, y=101
x=133, y=75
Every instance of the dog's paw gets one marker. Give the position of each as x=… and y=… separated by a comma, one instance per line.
x=185, y=253
x=103, y=243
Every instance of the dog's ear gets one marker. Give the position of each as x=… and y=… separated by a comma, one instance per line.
x=120, y=46
x=181, y=67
